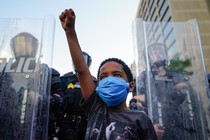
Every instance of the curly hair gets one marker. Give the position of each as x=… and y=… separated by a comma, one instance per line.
x=119, y=61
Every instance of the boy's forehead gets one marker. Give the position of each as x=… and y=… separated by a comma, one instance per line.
x=111, y=66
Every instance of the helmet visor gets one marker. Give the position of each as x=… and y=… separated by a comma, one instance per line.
x=24, y=45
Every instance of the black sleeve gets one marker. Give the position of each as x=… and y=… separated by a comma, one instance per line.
x=147, y=130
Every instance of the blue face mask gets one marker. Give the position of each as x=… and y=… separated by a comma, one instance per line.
x=112, y=90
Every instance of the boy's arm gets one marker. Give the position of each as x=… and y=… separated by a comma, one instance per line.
x=67, y=19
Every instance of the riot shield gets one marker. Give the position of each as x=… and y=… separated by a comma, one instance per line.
x=170, y=72
x=26, y=48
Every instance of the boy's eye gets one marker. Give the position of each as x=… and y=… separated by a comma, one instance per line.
x=117, y=75
x=102, y=77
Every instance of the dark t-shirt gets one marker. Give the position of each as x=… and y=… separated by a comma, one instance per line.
x=105, y=123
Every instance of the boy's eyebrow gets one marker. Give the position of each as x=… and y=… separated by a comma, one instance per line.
x=114, y=72
x=118, y=72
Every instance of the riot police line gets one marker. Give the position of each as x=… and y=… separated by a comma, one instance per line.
x=19, y=95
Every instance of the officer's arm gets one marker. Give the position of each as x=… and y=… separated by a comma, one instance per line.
x=67, y=19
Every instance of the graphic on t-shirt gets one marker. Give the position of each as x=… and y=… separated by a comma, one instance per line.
x=109, y=129
x=106, y=129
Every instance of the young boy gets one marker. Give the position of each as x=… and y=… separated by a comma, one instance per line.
x=109, y=118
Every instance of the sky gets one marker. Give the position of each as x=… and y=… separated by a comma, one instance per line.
x=104, y=27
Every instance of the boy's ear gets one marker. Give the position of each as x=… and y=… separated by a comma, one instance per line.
x=131, y=86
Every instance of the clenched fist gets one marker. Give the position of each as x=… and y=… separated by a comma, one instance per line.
x=67, y=19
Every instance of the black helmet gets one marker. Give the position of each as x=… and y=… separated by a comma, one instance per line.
x=87, y=58
x=208, y=76
x=56, y=83
x=24, y=45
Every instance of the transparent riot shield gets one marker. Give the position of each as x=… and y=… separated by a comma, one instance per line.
x=26, y=47
x=170, y=73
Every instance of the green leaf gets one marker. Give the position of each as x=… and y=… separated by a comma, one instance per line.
x=177, y=65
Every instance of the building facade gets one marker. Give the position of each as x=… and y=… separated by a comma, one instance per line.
x=178, y=10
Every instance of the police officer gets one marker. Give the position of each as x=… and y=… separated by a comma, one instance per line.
x=74, y=123
x=24, y=91
x=169, y=98
x=56, y=113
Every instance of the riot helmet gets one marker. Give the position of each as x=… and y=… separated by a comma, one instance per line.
x=56, y=83
x=24, y=45
x=87, y=58
x=157, y=59
x=208, y=76
x=157, y=55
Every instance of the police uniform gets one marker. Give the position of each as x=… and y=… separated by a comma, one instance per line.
x=73, y=126
x=56, y=113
